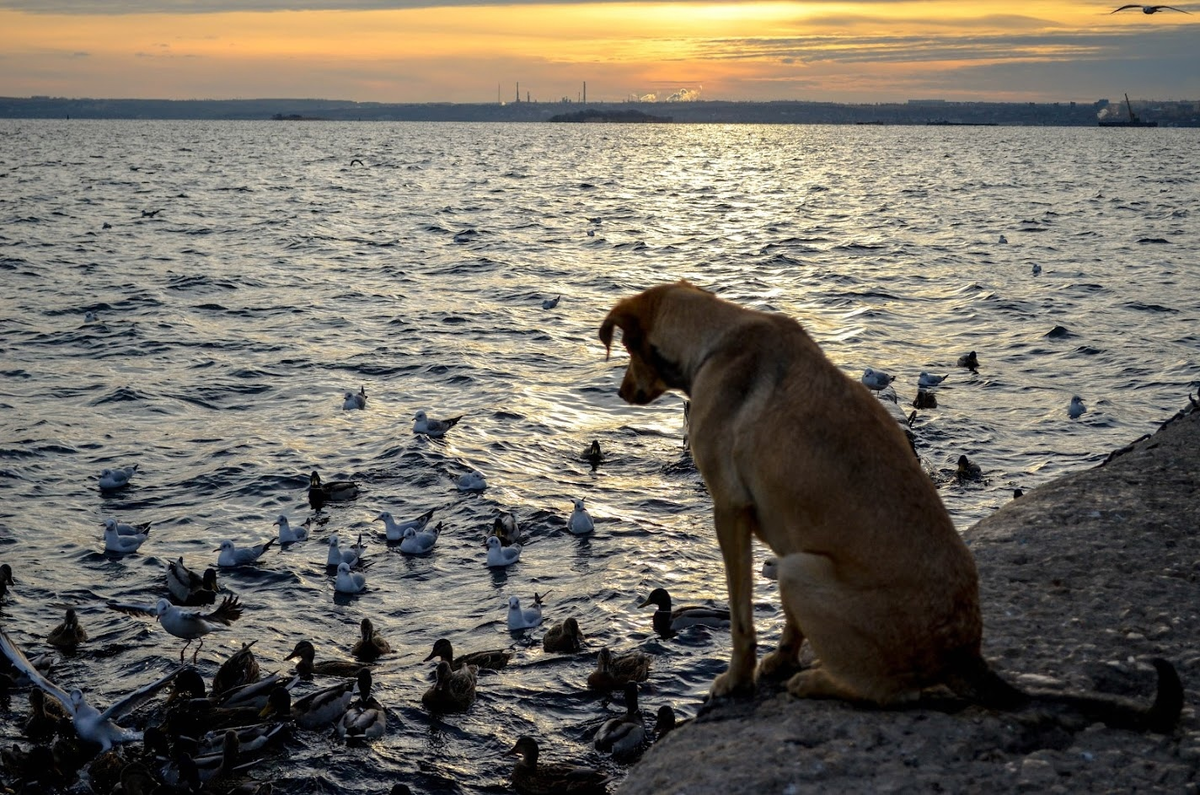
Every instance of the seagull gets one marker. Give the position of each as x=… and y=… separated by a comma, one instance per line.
x=355, y=400
x=122, y=544
x=422, y=424
x=1076, y=409
x=287, y=535
x=926, y=380
x=90, y=723
x=186, y=623
x=241, y=556
x=1150, y=9
x=90, y=317
x=876, y=379
x=337, y=555
x=499, y=556
x=395, y=530
x=519, y=618
x=419, y=542
x=1036, y=269
x=550, y=303
x=127, y=529
x=1002, y=239
x=349, y=582
x=114, y=479
x=580, y=522
x=472, y=481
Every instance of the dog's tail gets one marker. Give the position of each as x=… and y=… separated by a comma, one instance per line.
x=975, y=681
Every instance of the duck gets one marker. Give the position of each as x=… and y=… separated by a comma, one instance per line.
x=553, y=778
x=117, y=479
x=190, y=714
x=492, y=659
x=1076, y=408
x=371, y=645
x=365, y=719
x=232, y=555
x=422, y=424
x=519, y=618
x=565, y=637
x=69, y=633
x=290, y=535
x=119, y=544
x=623, y=736
x=240, y=669
x=505, y=528
x=188, y=588
x=967, y=471
x=355, y=400
x=925, y=399
x=256, y=694
x=615, y=670
x=349, y=582
x=305, y=654
x=668, y=621
x=315, y=710
x=394, y=531
x=320, y=493
x=454, y=691
x=472, y=481
x=420, y=542
x=580, y=522
x=6, y=578
x=969, y=361
x=189, y=771
x=664, y=722
x=91, y=724
x=500, y=556
x=593, y=454
x=44, y=716
x=250, y=738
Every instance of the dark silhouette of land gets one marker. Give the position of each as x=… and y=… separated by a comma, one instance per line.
x=1180, y=114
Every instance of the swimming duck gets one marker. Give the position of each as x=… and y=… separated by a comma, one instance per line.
x=664, y=722
x=349, y=582
x=423, y=425
x=366, y=718
x=240, y=669
x=668, y=621
x=305, y=654
x=191, y=770
x=188, y=588
x=44, y=716
x=355, y=400
x=6, y=578
x=314, y=710
x=250, y=738
x=552, y=778
x=454, y=691
x=122, y=544
x=924, y=400
x=969, y=361
x=371, y=645
x=519, y=618
x=472, y=481
x=580, y=521
x=256, y=694
x=420, y=542
x=593, y=454
x=623, y=736
x=289, y=534
x=232, y=555
x=116, y=479
x=69, y=633
x=613, y=671
x=394, y=531
x=190, y=714
x=91, y=724
x=504, y=527
x=967, y=470
x=334, y=491
x=564, y=637
x=493, y=659
x=499, y=556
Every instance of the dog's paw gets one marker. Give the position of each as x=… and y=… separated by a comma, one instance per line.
x=776, y=666
x=728, y=685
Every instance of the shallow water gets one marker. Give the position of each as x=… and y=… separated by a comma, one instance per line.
x=276, y=276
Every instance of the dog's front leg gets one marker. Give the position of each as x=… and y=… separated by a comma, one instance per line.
x=734, y=530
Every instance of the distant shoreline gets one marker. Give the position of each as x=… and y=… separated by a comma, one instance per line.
x=913, y=112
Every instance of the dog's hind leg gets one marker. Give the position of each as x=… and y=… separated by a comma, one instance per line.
x=785, y=660
x=735, y=527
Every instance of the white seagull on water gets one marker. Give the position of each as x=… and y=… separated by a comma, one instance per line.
x=394, y=531
x=355, y=400
x=472, y=481
x=422, y=424
x=348, y=581
x=420, y=542
x=290, y=535
x=120, y=544
x=926, y=380
x=580, y=523
x=528, y=618
x=232, y=555
x=499, y=556
x=1076, y=409
x=114, y=479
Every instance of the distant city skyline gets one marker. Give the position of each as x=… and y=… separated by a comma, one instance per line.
x=455, y=51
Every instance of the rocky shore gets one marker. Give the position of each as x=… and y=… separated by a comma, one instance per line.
x=1083, y=581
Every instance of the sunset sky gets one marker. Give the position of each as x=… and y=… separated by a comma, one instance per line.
x=459, y=51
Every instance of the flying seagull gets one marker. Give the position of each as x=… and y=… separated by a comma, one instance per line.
x=1150, y=9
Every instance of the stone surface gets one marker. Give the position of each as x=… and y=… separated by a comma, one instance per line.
x=1083, y=581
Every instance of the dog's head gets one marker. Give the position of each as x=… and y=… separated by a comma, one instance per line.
x=651, y=370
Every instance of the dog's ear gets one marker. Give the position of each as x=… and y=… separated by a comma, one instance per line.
x=625, y=317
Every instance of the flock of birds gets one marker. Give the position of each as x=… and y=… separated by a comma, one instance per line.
x=210, y=736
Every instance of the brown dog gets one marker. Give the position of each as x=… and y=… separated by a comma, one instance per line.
x=871, y=569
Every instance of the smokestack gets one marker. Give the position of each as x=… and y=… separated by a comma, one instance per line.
x=584, y=92
x=518, y=91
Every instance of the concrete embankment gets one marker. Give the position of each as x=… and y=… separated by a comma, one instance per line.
x=1083, y=581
